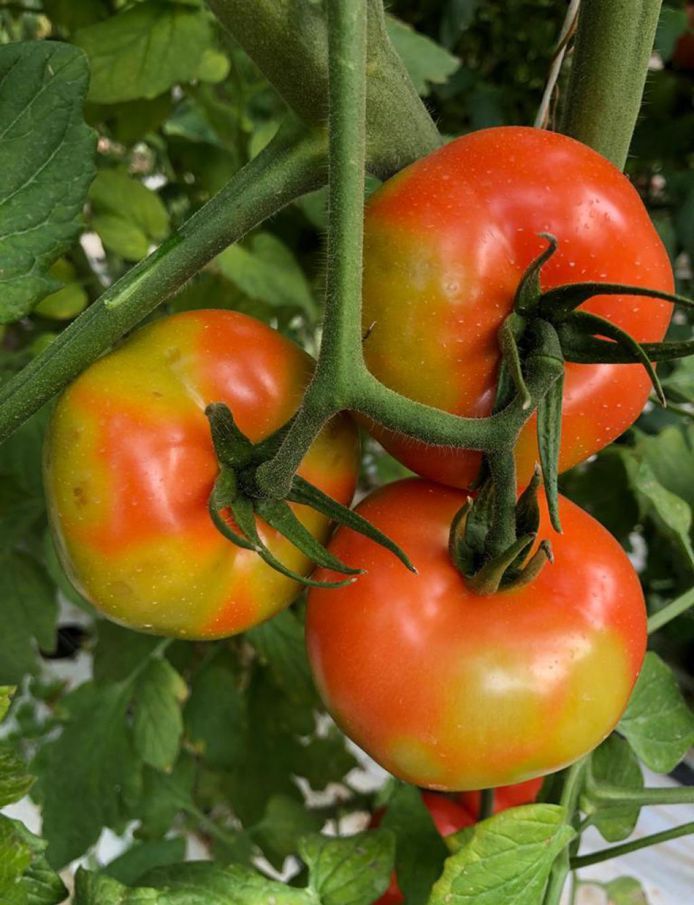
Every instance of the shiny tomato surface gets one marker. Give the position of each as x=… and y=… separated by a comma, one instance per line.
x=130, y=466
x=447, y=241
x=450, y=690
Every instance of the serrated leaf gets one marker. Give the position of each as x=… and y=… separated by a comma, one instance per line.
x=426, y=62
x=127, y=215
x=88, y=772
x=671, y=514
x=40, y=884
x=615, y=764
x=657, y=722
x=285, y=822
x=158, y=722
x=204, y=883
x=625, y=891
x=351, y=871
x=15, y=782
x=44, y=173
x=28, y=617
x=505, y=859
x=15, y=858
x=215, y=714
x=671, y=460
x=420, y=852
x=267, y=270
x=324, y=759
x=6, y=692
x=145, y=856
x=163, y=796
x=280, y=643
x=120, y=651
x=144, y=50
x=100, y=889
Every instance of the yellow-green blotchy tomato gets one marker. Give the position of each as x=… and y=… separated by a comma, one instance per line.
x=130, y=465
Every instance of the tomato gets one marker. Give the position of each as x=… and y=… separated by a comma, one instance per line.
x=505, y=796
x=450, y=817
x=130, y=466
x=453, y=691
x=446, y=243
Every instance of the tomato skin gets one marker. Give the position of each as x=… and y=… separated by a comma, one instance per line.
x=130, y=466
x=446, y=243
x=452, y=691
x=451, y=816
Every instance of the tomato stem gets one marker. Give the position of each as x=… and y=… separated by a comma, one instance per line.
x=635, y=845
x=612, y=51
x=573, y=780
x=674, y=609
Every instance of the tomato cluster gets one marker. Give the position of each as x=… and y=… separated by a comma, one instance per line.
x=445, y=688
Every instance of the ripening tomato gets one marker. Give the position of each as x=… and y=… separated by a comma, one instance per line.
x=130, y=465
x=446, y=243
x=450, y=690
x=448, y=816
x=451, y=816
x=504, y=797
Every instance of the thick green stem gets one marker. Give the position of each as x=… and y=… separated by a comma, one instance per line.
x=634, y=846
x=562, y=865
x=674, y=609
x=288, y=168
x=288, y=40
x=600, y=793
x=340, y=353
x=608, y=73
x=502, y=467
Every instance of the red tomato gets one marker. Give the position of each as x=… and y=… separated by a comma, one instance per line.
x=450, y=690
x=446, y=243
x=450, y=817
x=504, y=797
x=130, y=466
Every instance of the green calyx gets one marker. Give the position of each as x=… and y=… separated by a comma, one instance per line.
x=512, y=567
x=490, y=540
x=235, y=503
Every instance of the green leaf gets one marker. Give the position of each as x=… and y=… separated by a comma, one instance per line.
x=6, y=692
x=420, y=852
x=215, y=714
x=602, y=489
x=89, y=772
x=351, y=871
x=73, y=15
x=158, y=723
x=44, y=172
x=671, y=514
x=427, y=63
x=456, y=17
x=625, y=891
x=127, y=215
x=15, y=858
x=671, y=24
x=40, y=884
x=100, y=889
x=15, y=782
x=205, y=883
x=671, y=460
x=323, y=759
x=615, y=764
x=29, y=612
x=657, y=723
x=144, y=50
x=268, y=271
x=163, y=796
x=505, y=859
x=120, y=651
x=129, y=867
x=69, y=300
x=285, y=822
x=281, y=645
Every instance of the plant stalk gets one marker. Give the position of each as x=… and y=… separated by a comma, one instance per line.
x=289, y=167
x=633, y=846
x=674, y=609
x=608, y=74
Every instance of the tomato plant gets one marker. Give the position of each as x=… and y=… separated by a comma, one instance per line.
x=130, y=467
x=488, y=691
x=446, y=243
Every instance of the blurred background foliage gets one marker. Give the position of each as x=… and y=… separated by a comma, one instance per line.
x=179, y=109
